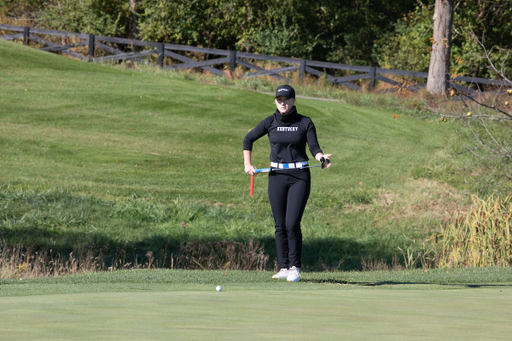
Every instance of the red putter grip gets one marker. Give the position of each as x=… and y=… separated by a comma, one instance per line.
x=252, y=184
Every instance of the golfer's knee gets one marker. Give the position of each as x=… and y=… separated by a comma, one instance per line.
x=293, y=230
x=281, y=229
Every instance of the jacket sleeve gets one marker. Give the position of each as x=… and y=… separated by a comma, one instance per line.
x=260, y=130
x=313, y=145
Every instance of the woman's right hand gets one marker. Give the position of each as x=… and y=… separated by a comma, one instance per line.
x=250, y=169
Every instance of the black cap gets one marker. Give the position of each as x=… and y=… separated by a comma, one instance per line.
x=285, y=91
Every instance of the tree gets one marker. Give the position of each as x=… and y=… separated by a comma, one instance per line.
x=409, y=47
x=486, y=118
x=109, y=18
x=332, y=30
x=439, y=70
x=21, y=10
x=132, y=21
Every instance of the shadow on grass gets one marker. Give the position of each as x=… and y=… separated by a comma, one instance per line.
x=331, y=254
x=385, y=283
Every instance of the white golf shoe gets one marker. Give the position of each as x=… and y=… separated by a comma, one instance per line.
x=293, y=274
x=282, y=274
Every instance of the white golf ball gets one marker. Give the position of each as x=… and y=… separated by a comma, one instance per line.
x=218, y=288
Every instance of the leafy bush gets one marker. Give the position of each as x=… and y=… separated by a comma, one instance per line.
x=108, y=18
x=280, y=39
x=409, y=47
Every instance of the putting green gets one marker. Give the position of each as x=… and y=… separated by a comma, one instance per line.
x=350, y=313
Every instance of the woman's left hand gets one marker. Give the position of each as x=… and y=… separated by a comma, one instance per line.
x=324, y=159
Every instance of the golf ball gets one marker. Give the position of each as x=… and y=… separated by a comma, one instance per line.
x=218, y=288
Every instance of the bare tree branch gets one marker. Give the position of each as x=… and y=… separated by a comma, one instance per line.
x=487, y=56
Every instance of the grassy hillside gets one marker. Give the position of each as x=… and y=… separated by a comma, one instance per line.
x=95, y=155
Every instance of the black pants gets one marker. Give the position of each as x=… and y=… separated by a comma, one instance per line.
x=288, y=192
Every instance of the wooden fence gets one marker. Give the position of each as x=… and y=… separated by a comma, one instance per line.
x=232, y=58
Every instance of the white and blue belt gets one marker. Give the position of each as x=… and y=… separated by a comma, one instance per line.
x=288, y=165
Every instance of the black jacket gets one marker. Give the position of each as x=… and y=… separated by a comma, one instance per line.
x=288, y=135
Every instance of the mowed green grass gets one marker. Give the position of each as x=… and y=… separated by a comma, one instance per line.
x=458, y=304
x=93, y=154
x=357, y=314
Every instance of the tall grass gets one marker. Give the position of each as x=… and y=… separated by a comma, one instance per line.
x=22, y=262
x=479, y=237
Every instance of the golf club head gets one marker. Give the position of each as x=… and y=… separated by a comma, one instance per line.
x=325, y=161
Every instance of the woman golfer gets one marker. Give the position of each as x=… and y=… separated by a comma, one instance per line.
x=289, y=185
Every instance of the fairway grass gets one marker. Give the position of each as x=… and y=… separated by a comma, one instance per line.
x=458, y=304
x=357, y=314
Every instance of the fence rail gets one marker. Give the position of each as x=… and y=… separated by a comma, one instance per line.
x=230, y=57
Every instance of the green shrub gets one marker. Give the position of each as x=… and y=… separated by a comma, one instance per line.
x=408, y=48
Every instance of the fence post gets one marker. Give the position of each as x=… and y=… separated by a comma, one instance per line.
x=373, y=74
x=91, y=47
x=161, y=51
x=302, y=69
x=26, y=34
x=232, y=60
